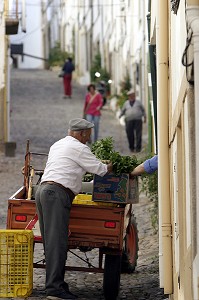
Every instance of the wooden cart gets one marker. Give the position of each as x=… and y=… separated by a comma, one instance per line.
x=109, y=227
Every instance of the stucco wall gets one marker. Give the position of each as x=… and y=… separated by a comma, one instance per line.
x=32, y=39
x=177, y=45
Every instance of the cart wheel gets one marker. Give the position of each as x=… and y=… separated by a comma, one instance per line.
x=130, y=250
x=112, y=270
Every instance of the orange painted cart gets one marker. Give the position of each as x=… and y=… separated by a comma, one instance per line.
x=109, y=227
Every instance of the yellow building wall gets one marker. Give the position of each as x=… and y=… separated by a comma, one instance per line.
x=181, y=216
x=182, y=166
x=180, y=162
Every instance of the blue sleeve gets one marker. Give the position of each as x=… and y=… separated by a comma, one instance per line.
x=151, y=164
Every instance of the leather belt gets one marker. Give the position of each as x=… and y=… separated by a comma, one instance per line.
x=67, y=190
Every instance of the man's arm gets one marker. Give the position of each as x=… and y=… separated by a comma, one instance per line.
x=138, y=170
x=143, y=112
x=123, y=110
x=149, y=166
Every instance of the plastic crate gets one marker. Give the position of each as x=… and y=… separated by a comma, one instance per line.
x=16, y=263
x=84, y=199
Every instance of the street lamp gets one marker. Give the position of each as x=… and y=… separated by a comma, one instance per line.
x=97, y=74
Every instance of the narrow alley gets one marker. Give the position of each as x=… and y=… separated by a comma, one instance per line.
x=39, y=113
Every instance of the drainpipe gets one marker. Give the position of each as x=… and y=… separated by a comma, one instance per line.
x=23, y=16
x=163, y=147
x=102, y=38
x=193, y=24
x=143, y=54
x=8, y=94
x=6, y=83
x=91, y=36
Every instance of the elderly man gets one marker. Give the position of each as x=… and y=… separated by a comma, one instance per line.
x=68, y=160
x=134, y=111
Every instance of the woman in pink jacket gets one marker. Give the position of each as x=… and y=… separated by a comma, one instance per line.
x=92, y=107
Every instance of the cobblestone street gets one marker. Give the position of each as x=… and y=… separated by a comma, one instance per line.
x=39, y=113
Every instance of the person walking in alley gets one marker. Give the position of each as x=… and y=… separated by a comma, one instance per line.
x=92, y=106
x=101, y=87
x=134, y=111
x=68, y=160
x=68, y=68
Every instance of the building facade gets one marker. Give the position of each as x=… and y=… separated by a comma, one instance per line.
x=174, y=35
x=30, y=37
x=116, y=30
x=9, y=21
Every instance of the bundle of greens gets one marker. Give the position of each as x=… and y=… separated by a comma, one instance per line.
x=104, y=150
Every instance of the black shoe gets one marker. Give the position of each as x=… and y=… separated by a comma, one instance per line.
x=63, y=295
x=65, y=286
x=66, y=289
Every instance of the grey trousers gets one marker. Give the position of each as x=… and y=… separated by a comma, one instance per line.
x=53, y=208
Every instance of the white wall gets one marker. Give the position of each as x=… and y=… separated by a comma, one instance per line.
x=117, y=28
x=2, y=47
x=32, y=39
x=178, y=41
x=187, y=174
x=54, y=15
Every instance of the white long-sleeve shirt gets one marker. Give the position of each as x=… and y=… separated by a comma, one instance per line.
x=68, y=161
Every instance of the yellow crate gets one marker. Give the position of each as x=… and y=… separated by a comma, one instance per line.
x=16, y=263
x=85, y=199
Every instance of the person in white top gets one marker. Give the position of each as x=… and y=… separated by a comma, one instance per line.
x=68, y=160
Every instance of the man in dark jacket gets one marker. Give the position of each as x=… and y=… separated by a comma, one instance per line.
x=68, y=68
x=101, y=87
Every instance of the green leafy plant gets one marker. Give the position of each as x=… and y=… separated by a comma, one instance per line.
x=121, y=99
x=126, y=83
x=104, y=150
x=123, y=164
x=87, y=177
x=125, y=87
x=95, y=66
x=149, y=185
x=104, y=74
x=57, y=56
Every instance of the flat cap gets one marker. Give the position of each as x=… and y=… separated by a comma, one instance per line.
x=79, y=124
x=131, y=91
